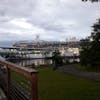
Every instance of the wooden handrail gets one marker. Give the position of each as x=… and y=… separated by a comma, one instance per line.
x=31, y=74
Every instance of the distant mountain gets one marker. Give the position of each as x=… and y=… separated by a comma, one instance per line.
x=6, y=43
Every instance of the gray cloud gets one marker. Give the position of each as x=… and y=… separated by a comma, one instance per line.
x=52, y=19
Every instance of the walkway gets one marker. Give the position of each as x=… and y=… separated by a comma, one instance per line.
x=2, y=95
x=70, y=69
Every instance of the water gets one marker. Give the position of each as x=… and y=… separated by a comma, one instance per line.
x=6, y=43
x=1, y=58
x=39, y=62
x=34, y=62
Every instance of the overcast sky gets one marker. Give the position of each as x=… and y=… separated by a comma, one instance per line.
x=50, y=19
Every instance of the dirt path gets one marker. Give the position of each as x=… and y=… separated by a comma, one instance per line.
x=70, y=69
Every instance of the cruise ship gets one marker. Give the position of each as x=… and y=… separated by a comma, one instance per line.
x=69, y=48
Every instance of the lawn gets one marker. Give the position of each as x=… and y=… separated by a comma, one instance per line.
x=58, y=86
x=54, y=85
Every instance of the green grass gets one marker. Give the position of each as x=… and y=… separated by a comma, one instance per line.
x=54, y=85
x=58, y=86
x=20, y=80
x=82, y=68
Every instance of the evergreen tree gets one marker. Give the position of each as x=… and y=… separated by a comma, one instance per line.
x=57, y=59
x=91, y=0
x=84, y=52
x=90, y=51
x=95, y=44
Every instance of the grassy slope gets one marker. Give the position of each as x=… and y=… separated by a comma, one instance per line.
x=58, y=86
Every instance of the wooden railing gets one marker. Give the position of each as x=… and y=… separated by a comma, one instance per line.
x=30, y=74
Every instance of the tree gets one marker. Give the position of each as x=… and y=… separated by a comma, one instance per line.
x=91, y=0
x=56, y=58
x=90, y=51
x=84, y=52
x=95, y=44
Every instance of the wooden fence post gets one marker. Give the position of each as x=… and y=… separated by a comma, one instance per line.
x=8, y=83
x=34, y=87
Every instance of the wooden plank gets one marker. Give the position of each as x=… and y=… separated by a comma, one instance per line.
x=27, y=72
